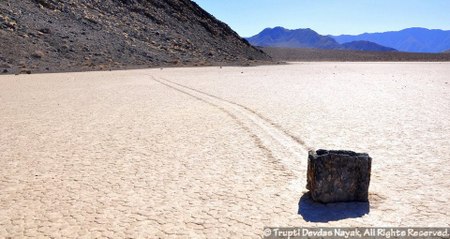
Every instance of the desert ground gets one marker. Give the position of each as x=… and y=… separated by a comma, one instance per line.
x=219, y=152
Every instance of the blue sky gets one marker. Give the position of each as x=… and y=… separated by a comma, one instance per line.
x=249, y=17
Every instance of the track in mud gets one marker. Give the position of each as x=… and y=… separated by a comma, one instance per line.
x=276, y=142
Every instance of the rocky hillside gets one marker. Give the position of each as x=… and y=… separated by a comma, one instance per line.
x=72, y=35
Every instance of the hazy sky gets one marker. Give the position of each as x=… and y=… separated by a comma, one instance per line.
x=249, y=17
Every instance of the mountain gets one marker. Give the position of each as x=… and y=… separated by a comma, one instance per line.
x=365, y=46
x=307, y=38
x=407, y=40
x=67, y=35
x=300, y=38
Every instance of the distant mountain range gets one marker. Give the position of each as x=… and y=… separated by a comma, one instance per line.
x=407, y=40
x=307, y=38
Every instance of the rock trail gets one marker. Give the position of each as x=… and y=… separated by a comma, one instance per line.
x=271, y=137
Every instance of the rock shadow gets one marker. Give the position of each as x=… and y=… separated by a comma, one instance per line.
x=318, y=212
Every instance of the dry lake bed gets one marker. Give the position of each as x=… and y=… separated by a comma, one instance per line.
x=219, y=152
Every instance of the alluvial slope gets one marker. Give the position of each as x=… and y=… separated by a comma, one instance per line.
x=308, y=54
x=64, y=35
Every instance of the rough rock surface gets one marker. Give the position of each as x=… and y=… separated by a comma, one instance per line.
x=338, y=176
x=73, y=35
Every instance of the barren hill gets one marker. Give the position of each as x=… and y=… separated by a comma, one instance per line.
x=66, y=35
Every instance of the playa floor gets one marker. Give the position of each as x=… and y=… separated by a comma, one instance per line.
x=219, y=152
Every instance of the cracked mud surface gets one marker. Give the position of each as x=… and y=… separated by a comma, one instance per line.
x=210, y=152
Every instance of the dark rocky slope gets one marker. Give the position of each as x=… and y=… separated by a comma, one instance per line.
x=72, y=35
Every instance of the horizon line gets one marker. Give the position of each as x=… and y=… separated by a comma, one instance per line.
x=349, y=34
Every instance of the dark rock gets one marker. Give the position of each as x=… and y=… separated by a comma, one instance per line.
x=25, y=71
x=5, y=71
x=38, y=54
x=338, y=176
x=5, y=65
x=45, y=30
x=7, y=22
